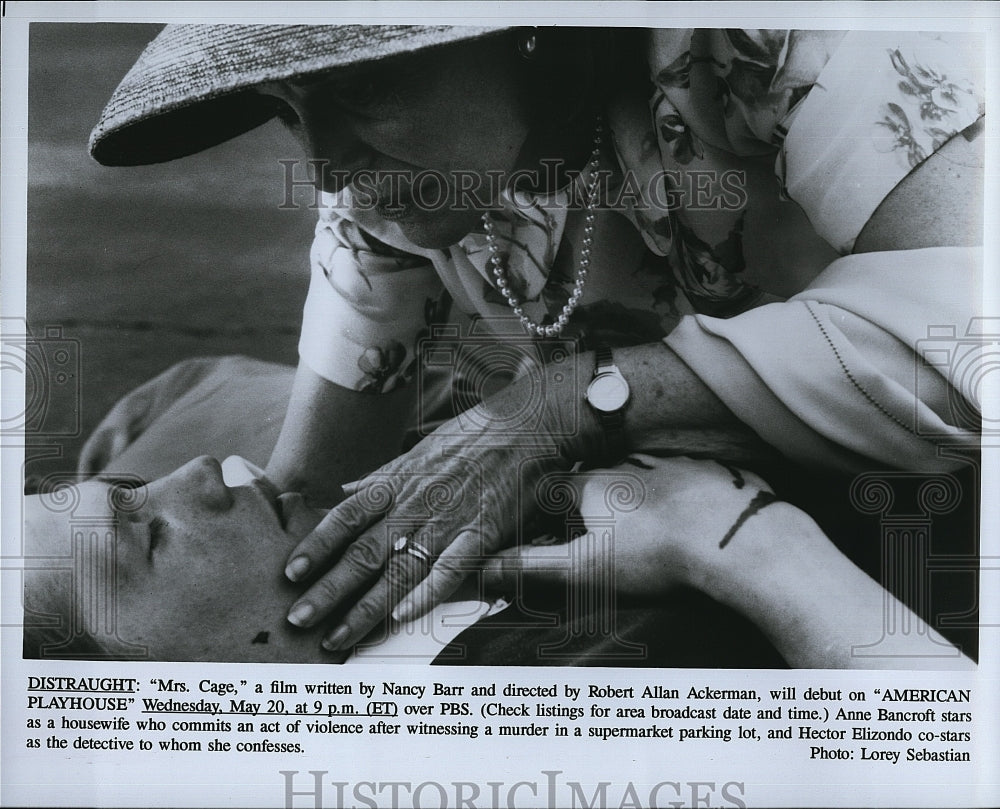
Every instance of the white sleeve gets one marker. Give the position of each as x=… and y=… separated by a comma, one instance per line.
x=882, y=105
x=875, y=362
x=365, y=309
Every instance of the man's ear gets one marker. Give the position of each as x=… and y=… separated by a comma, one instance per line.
x=299, y=517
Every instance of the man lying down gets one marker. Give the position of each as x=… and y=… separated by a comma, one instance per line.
x=188, y=568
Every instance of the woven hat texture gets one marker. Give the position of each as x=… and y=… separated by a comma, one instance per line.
x=189, y=88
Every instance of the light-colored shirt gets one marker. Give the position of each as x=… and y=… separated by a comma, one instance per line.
x=736, y=191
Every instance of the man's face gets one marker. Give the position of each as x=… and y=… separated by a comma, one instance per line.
x=191, y=568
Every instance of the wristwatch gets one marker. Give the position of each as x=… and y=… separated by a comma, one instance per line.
x=608, y=395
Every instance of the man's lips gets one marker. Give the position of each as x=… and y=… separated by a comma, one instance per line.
x=240, y=473
x=269, y=492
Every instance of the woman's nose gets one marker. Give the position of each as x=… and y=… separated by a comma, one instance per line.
x=324, y=131
x=200, y=483
x=334, y=151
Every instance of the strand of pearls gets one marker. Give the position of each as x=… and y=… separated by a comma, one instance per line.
x=500, y=273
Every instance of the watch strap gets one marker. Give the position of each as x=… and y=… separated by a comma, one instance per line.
x=602, y=357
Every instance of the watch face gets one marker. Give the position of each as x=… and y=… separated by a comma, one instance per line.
x=608, y=392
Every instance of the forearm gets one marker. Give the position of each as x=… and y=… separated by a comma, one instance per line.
x=670, y=410
x=332, y=435
x=817, y=607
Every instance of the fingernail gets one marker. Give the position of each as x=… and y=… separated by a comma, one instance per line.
x=297, y=568
x=333, y=641
x=403, y=611
x=301, y=613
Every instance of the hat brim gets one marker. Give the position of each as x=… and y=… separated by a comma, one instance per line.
x=181, y=132
x=190, y=89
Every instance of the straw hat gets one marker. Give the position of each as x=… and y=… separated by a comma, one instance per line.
x=188, y=89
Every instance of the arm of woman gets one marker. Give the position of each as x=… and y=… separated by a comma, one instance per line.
x=834, y=376
x=888, y=168
x=939, y=203
x=718, y=384
x=332, y=434
x=831, y=378
x=827, y=378
x=350, y=403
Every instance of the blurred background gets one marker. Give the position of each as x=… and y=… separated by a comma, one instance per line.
x=134, y=269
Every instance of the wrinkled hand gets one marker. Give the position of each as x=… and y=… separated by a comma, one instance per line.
x=672, y=529
x=459, y=495
x=139, y=408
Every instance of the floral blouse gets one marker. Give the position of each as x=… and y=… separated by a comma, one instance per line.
x=755, y=161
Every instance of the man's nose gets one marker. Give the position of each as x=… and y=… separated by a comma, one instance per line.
x=200, y=481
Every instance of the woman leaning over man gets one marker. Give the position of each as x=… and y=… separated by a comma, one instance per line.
x=740, y=235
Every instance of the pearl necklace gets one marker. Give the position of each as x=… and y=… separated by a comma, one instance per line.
x=500, y=274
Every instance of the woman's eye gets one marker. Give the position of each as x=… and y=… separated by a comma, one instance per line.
x=357, y=96
x=362, y=92
x=284, y=113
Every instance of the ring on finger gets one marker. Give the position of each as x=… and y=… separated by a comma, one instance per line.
x=407, y=544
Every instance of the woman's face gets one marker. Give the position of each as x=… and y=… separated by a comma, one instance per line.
x=191, y=568
x=409, y=133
